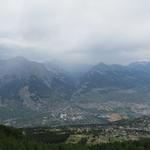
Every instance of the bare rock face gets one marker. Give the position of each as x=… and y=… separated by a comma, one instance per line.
x=25, y=95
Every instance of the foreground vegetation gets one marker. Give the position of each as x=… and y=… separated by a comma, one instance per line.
x=16, y=139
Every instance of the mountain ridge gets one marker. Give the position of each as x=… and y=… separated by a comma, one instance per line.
x=29, y=88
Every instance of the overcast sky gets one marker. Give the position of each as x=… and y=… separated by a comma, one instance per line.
x=76, y=31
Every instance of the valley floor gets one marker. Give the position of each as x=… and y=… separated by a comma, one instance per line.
x=64, y=113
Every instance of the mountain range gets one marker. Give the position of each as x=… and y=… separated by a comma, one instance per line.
x=115, y=82
x=29, y=88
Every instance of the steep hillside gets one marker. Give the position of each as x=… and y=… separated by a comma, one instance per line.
x=25, y=83
x=115, y=82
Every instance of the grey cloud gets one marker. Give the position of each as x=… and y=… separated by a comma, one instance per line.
x=76, y=31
